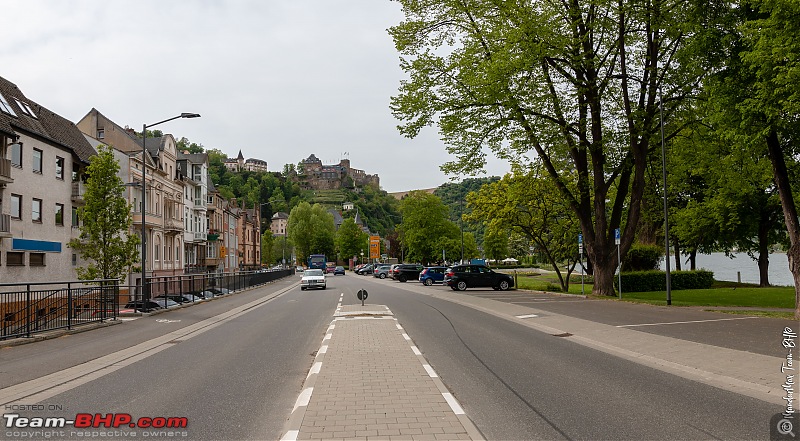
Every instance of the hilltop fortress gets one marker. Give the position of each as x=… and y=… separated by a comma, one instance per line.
x=313, y=175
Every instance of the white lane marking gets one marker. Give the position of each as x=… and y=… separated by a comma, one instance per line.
x=304, y=398
x=323, y=349
x=314, y=369
x=416, y=351
x=327, y=337
x=398, y=326
x=405, y=336
x=331, y=327
x=680, y=323
x=527, y=316
x=430, y=370
x=451, y=400
x=291, y=435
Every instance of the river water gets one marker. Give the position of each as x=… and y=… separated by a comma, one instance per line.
x=725, y=268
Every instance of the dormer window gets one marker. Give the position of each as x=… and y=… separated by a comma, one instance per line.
x=26, y=108
x=5, y=107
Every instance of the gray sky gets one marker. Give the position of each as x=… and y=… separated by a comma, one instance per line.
x=278, y=79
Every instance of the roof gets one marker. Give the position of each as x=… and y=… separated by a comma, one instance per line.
x=240, y=155
x=280, y=215
x=194, y=158
x=47, y=125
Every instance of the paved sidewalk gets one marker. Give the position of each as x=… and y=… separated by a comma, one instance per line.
x=370, y=382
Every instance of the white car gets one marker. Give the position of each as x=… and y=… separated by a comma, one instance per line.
x=312, y=278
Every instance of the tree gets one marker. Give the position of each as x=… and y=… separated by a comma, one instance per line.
x=495, y=242
x=529, y=204
x=350, y=240
x=311, y=230
x=105, y=238
x=756, y=98
x=267, y=240
x=426, y=229
x=573, y=83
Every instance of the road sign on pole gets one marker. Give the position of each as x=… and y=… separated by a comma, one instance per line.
x=619, y=261
x=374, y=247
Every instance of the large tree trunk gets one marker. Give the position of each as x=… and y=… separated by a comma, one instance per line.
x=677, y=254
x=763, y=254
x=781, y=176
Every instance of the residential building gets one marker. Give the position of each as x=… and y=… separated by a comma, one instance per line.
x=230, y=246
x=240, y=164
x=194, y=173
x=248, y=230
x=215, y=261
x=278, y=224
x=43, y=158
x=165, y=190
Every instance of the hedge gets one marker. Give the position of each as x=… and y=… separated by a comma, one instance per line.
x=645, y=281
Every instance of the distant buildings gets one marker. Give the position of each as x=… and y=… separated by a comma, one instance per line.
x=314, y=175
x=239, y=164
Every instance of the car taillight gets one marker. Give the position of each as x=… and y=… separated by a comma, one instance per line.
x=425, y=271
x=450, y=274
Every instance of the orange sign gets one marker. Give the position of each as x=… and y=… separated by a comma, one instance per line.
x=374, y=247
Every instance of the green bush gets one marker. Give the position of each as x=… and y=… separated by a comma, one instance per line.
x=647, y=281
x=642, y=258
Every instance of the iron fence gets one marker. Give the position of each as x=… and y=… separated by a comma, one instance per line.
x=30, y=308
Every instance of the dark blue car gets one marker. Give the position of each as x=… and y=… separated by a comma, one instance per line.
x=432, y=274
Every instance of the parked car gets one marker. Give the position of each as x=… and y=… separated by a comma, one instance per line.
x=432, y=274
x=312, y=278
x=365, y=269
x=143, y=306
x=338, y=270
x=165, y=303
x=218, y=291
x=406, y=271
x=180, y=298
x=381, y=271
x=299, y=269
x=206, y=294
x=461, y=277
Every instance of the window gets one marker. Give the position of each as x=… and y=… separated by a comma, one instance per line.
x=36, y=259
x=5, y=107
x=16, y=154
x=36, y=210
x=75, y=217
x=101, y=133
x=59, y=168
x=37, y=161
x=16, y=206
x=74, y=259
x=60, y=214
x=26, y=108
x=15, y=258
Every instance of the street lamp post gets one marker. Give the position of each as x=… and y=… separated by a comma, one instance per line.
x=666, y=213
x=145, y=287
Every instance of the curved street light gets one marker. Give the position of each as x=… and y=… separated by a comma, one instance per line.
x=145, y=286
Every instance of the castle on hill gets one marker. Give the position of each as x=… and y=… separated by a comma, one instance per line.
x=240, y=164
x=313, y=175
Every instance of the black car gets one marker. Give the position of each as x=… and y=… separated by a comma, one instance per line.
x=143, y=306
x=365, y=270
x=461, y=277
x=406, y=271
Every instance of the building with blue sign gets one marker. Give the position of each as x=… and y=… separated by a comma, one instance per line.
x=42, y=160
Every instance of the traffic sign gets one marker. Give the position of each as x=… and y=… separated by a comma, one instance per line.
x=616, y=236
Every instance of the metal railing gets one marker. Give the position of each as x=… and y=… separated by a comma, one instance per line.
x=198, y=283
x=31, y=308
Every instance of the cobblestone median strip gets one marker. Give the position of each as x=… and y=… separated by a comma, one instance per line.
x=371, y=382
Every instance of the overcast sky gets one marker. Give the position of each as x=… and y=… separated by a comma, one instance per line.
x=278, y=79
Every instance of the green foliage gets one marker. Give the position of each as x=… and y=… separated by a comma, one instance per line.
x=267, y=240
x=311, y=230
x=350, y=240
x=426, y=229
x=528, y=204
x=644, y=281
x=642, y=258
x=105, y=239
x=573, y=84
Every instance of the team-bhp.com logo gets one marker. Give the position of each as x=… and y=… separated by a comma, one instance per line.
x=97, y=420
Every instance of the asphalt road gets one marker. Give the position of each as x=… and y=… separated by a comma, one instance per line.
x=238, y=377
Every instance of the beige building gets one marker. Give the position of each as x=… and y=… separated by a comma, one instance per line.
x=164, y=219
x=240, y=164
x=42, y=160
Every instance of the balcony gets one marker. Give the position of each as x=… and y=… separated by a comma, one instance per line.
x=200, y=236
x=152, y=220
x=78, y=190
x=5, y=225
x=5, y=171
x=173, y=226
